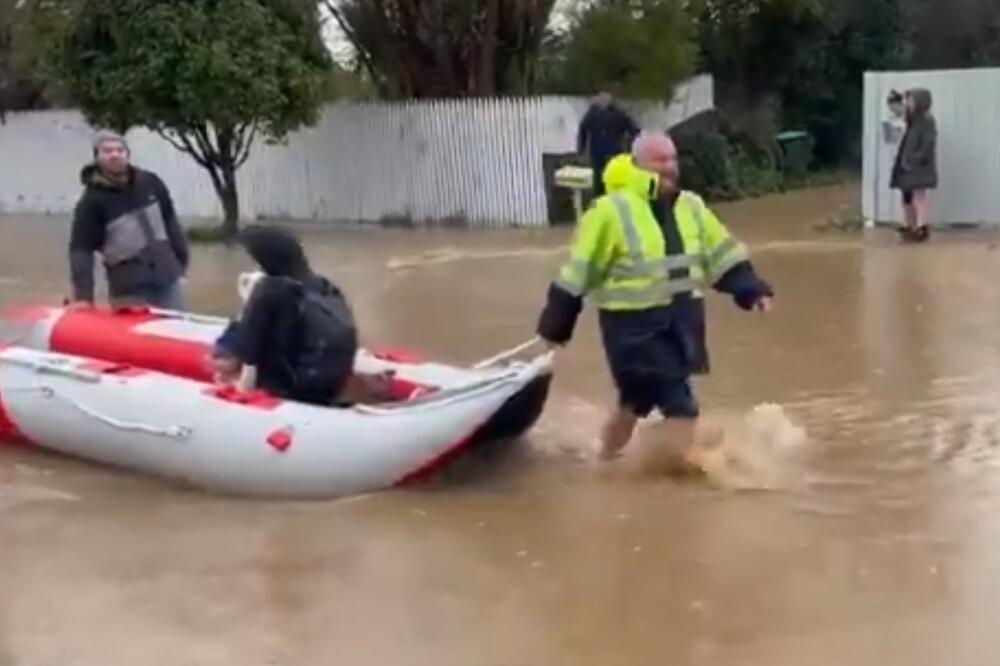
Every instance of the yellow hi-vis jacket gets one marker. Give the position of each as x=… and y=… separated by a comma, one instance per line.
x=619, y=256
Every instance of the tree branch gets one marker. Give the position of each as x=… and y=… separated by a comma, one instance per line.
x=367, y=60
x=238, y=138
x=183, y=144
x=245, y=140
x=204, y=142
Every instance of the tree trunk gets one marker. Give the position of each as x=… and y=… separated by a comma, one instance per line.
x=230, y=203
x=226, y=186
x=224, y=183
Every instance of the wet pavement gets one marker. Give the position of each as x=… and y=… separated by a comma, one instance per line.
x=880, y=548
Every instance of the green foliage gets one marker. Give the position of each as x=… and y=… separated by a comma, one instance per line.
x=726, y=165
x=209, y=75
x=754, y=45
x=953, y=33
x=636, y=48
x=825, y=95
x=22, y=24
x=179, y=64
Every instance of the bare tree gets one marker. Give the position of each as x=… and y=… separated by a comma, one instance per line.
x=445, y=48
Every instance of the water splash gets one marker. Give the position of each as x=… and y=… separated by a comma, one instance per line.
x=755, y=452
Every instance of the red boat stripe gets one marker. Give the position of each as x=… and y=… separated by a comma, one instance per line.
x=9, y=432
x=97, y=334
x=101, y=335
x=434, y=465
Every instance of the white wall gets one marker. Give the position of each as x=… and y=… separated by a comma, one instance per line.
x=967, y=111
x=480, y=160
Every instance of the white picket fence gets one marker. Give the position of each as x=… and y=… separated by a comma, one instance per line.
x=965, y=108
x=478, y=162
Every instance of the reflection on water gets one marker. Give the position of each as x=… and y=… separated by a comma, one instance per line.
x=866, y=404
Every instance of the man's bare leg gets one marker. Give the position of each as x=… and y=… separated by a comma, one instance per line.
x=617, y=432
x=686, y=457
x=910, y=219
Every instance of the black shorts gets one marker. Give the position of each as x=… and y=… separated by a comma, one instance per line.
x=649, y=368
x=671, y=396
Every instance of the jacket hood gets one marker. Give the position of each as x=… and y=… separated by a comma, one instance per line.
x=92, y=176
x=922, y=101
x=278, y=252
x=622, y=174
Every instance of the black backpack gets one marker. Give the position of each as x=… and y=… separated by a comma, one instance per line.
x=327, y=333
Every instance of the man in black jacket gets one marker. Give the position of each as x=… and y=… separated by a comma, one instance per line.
x=604, y=132
x=126, y=215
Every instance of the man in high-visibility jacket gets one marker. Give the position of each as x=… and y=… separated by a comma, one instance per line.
x=643, y=254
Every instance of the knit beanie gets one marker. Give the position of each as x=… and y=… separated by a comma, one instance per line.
x=105, y=136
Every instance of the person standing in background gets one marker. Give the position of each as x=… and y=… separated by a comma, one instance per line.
x=915, y=170
x=605, y=131
x=894, y=127
x=127, y=216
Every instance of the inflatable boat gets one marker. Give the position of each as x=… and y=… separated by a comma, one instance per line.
x=133, y=389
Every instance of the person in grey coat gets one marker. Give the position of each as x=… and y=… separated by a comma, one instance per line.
x=915, y=170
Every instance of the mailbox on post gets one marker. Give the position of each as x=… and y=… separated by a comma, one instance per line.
x=576, y=179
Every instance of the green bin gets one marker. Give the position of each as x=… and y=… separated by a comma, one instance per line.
x=796, y=151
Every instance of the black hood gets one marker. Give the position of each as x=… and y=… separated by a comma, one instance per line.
x=278, y=252
x=91, y=175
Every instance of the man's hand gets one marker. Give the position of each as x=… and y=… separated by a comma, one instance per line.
x=225, y=369
x=763, y=304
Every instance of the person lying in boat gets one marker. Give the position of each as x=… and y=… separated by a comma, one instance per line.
x=296, y=337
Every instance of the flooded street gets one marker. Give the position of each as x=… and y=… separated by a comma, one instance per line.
x=881, y=550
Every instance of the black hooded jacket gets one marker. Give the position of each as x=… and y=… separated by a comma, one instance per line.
x=133, y=226
x=272, y=333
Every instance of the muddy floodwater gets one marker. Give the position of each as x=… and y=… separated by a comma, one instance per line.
x=879, y=543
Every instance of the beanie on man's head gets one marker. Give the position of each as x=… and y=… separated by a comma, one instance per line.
x=107, y=135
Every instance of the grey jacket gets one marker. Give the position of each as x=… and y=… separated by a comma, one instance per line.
x=133, y=227
x=916, y=161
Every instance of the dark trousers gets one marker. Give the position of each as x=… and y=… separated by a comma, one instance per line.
x=597, y=163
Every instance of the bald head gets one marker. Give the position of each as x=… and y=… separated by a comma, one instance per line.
x=656, y=152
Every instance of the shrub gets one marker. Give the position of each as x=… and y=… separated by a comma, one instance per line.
x=723, y=165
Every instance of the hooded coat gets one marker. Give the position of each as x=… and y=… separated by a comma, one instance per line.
x=271, y=333
x=916, y=161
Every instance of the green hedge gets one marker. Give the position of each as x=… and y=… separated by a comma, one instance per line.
x=726, y=165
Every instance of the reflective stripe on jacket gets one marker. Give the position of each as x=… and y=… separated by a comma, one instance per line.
x=619, y=256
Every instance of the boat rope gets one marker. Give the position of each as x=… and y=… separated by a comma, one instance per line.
x=504, y=355
x=176, y=432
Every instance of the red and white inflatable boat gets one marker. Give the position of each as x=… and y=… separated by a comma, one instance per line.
x=133, y=389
